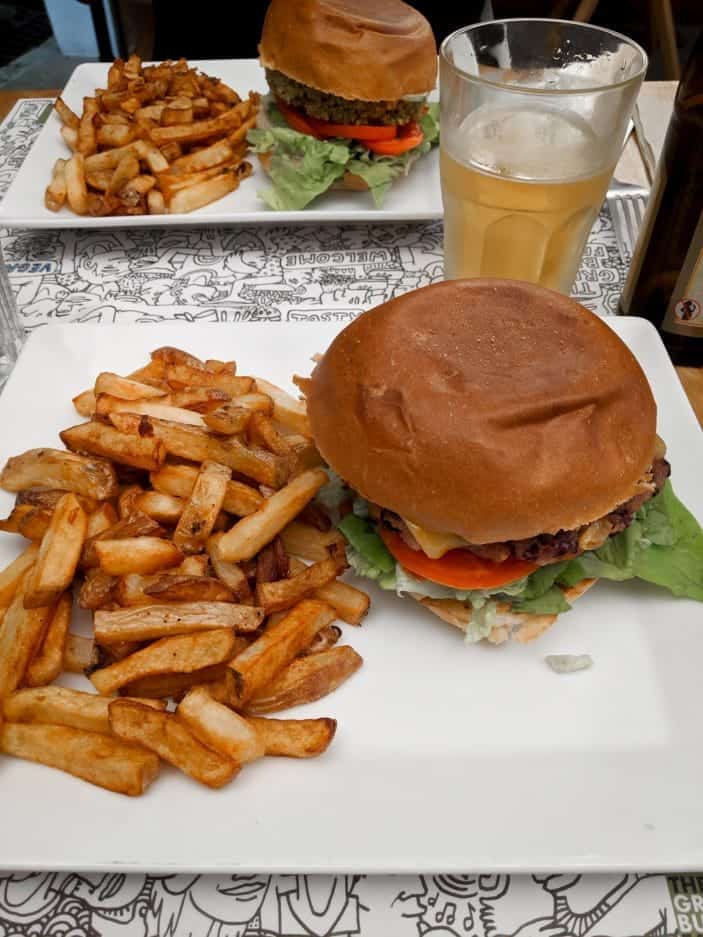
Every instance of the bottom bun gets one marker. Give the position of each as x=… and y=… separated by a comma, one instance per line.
x=349, y=181
x=521, y=626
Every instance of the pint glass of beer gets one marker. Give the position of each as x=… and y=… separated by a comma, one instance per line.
x=533, y=119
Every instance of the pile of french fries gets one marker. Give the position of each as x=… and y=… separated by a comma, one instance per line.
x=182, y=514
x=160, y=138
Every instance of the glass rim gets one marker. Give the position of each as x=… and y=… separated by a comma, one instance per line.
x=521, y=89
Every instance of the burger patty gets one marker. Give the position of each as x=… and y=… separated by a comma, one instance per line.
x=339, y=110
x=548, y=548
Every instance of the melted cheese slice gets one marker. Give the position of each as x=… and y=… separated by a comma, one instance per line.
x=434, y=543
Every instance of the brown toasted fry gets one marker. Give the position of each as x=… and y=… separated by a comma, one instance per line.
x=68, y=117
x=165, y=509
x=261, y=431
x=12, y=575
x=179, y=376
x=185, y=653
x=169, y=738
x=158, y=621
x=99, y=759
x=259, y=664
x=250, y=534
x=76, y=188
x=106, y=404
x=80, y=654
x=219, y=727
x=54, y=468
x=57, y=705
x=287, y=411
x=200, y=399
x=97, y=589
x=70, y=137
x=20, y=637
x=136, y=555
x=306, y=679
x=189, y=442
x=85, y=403
x=283, y=593
x=87, y=142
x=175, y=588
x=156, y=203
x=325, y=638
x=175, y=685
x=213, y=155
x=141, y=451
x=229, y=573
x=168, y=355
x=294, y=738
x=19, y=516
x=350, y=604
x=125, y=387
x=199, y=129
x=202, y=507
x=136, y=525
x=50, y=497
x=56, y=192
x=310, y=543
x=47, y=663
x=59, y=553
x=178, y=480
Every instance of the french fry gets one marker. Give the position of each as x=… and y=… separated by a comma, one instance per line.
x=193, y=565
x=110, y=158
x=126, y=169
x=50, y=497
x=151, y=155
x=175, y=588
x=213, y=155
x=176, y=685
x=80, y=654
x=106, y=404
x=294, y=738
x=229, y=573
x=182, y=618
x=12, y=524
x=325, y=638
x=76, y=188
x=20, y=637
x=305, y=680
x=99, y=759
x=141, y=451
x=287, y=411
x=58, y=705
x=125, y=387
x=116, y=80
x=100, y=520
x=115, y=134
x=58, y=556
x=168, y=355
x=250, y=534
x=136, y=525
x=55, y=195
x=179, y=111
x=54, y=468
x=200, y=399
x=68, y=117
x=189, y=442
x=219, y=727
x=185, y=653
x=202, y=507
x=350, y=604
x=199, y=129
x=85, y=401
x=310, y=543
x=96, y=590
x=12, y=575
x=259, y=664
x=232, y=417
x=87, y=142
x=283, y=593
x=136, y=555
x=47, y=663
x=182, y=375
x=203, y=193
x=166, y=509
x=178, y=480
x=156, y=203
x=169, y=738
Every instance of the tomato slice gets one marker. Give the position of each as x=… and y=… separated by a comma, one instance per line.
x=353, y=131
x=295, y=119
x=460, y=569
x=401, y=144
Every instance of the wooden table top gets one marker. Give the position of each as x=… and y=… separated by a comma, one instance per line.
x=691, y=378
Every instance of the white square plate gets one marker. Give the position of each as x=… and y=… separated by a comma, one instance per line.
x=447, y=757
x=417, y=196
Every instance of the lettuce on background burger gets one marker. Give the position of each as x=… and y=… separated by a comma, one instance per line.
x=499, y=443
x=349, y=81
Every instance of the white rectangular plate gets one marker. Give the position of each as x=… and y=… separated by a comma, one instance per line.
x=447, y=757
x=415, y=197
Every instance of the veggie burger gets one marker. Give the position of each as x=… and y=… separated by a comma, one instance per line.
x=495, y=452
x=348, y=107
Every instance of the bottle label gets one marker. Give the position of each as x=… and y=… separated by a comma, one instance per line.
x=684, y=315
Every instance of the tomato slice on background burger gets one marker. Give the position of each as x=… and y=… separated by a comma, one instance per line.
x=409, y=136
x=460, y=569
x=295, y=119
x=353, y=131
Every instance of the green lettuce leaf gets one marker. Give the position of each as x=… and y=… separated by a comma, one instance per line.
x=303, y=167
x=362, y=535
x=663, y=545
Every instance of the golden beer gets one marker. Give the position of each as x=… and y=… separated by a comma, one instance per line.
x=509, y=210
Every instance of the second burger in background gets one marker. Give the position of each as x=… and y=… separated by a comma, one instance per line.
x=349, y=81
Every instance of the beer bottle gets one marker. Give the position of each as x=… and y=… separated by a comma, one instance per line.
x=665, y=283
